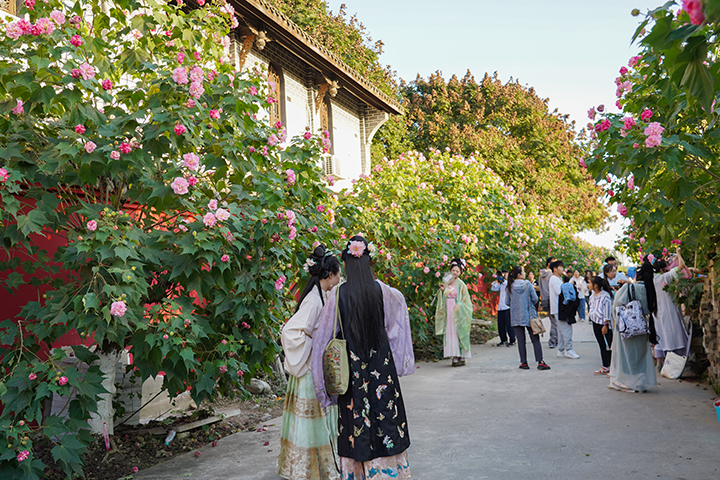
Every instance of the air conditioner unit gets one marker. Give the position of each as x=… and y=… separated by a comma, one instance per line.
x=331, y=167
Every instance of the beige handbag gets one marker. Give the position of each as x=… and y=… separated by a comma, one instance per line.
x=535, y=323
x=336, y=369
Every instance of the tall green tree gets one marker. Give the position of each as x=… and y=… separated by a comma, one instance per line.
x=532, y=149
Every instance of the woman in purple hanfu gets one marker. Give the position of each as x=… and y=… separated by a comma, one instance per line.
x=372, y=426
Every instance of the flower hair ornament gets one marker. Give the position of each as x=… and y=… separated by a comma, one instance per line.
x=357, y=248
x=310, y=262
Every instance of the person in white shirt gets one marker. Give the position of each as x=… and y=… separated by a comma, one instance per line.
x=505, y=330
x=582, y=288
x=565, y=329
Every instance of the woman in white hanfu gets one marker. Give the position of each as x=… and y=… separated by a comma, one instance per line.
x=308, y=447
x=671, y=332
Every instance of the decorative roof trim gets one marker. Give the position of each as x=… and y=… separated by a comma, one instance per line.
x=286, y=32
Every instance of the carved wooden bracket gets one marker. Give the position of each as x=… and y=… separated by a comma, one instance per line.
x=321, y=95
x=247, y=45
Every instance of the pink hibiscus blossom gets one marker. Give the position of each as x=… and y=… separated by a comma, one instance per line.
x=653, y=129
x=291, y=177
x=629, y=123
x=87, y=71
x=646, y=115
x=214, y=114
x=653, y=141
x=179, y=76
x=80, y=129
x=90, y=147
x=307, y=135
x=191, y=161
x=58, y=17
x=22, y=456
x=14, y=30
x=179, y=186
x=694, y=8
x=92, y=225
x=622, y=209
x=280, y=282
x=225, y=258
x=602, y=126
x=222, y=214
x=209, y=220
x=4, y=175
x=76, y=40
x=18, y=109
x=118, y=308
x=180, y=129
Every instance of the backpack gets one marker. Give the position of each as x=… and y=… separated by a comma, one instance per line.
x=568, y=309
x=630, y=317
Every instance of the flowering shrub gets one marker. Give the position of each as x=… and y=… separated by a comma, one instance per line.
x=656, y=157
x=127, y=132
x=423, y=211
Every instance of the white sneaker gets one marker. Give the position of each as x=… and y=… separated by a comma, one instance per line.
x=560, y=353
x=571, y=354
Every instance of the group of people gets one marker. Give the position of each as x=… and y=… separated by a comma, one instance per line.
x=363, y=432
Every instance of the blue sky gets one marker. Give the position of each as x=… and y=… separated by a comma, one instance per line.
x=570, y=51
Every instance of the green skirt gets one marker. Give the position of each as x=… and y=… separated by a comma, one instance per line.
x=308, y=440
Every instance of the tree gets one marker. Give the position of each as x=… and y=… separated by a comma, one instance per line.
x=126, y=131
x=512, y=130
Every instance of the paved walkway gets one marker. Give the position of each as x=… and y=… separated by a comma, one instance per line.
x=490, y=420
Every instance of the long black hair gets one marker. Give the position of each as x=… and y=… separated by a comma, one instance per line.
x=646, y=274
x=603, y=284
x=320, y=266
x=512, y=276
x=364, y=314
x=458, y=262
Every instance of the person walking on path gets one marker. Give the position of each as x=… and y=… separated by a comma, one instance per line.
x=671, y=332
x=544, y=281
x=582, y=287
x=563, y=305
x=308, y=436
x=523, y=299
x=505, y=330
x=631, y=364
x=372, y=426
x=453, y=315
x=601, y=318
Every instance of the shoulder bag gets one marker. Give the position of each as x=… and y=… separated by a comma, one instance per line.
x=336, y=369
x=535, y=323
x=631, y=320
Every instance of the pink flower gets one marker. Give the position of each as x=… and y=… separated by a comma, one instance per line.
x=90, y=147
x=191, y=161
x=654, y=129
x=32, y=376
x=225, y=258
x=356, y=249
x=76, y=40
x=62, y=380
x=694, y=8
x=209, y=220
x=196, y=90
x=642, y=240
x=92, y=225
x=115, y=155
x=4, y=175
x=190, y=103
x=291, y=218
x=631, y=183
x=646, y=115
x=307, y=135
x=623, y=70
x=293, y=233
x=125, y=147
x=213, y=204
x=179, y=186
x=426, y=270
x=223, y=369
x=196, y=74
x=107, y=84
x=180, y=129
x=611, y=193
x=165, y=337
x=75, y=73
x=180, y=57
x=221, y=214
x=582, y=163
x=135, y=470
x=19, y=109
x=618, y=104
x=79, y=129
x=118, y=308
x=179, y=76
x=321, y=208
x=634, y=61
x=14, y=30
x=636, y=145
x=279, y=283
x=87, y=71
x=290, y=176
x=58, y=17
x=629, y=122
x=602, y=126
x=622, y=209
x=22, y=456
x=591, y=113
x=214, y=114
x=192, y=181
x=653, y=141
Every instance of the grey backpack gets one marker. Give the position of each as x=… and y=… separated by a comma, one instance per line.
x=630, y=317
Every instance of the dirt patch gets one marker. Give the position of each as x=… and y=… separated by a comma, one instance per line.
x=137, y=447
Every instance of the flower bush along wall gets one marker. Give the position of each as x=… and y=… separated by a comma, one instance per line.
x=126, y=130
x=657, y=158
x=421, y=211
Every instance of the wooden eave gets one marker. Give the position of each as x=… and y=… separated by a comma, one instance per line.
x=281, y=29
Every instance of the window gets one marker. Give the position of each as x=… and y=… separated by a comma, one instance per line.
x=276, y=86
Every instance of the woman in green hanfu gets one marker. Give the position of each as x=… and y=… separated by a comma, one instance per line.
x=453, y=315
x=308, y=447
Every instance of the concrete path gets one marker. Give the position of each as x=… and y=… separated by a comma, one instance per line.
x=490, y=420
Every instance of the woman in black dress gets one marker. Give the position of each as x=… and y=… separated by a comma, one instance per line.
x=372, y=425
